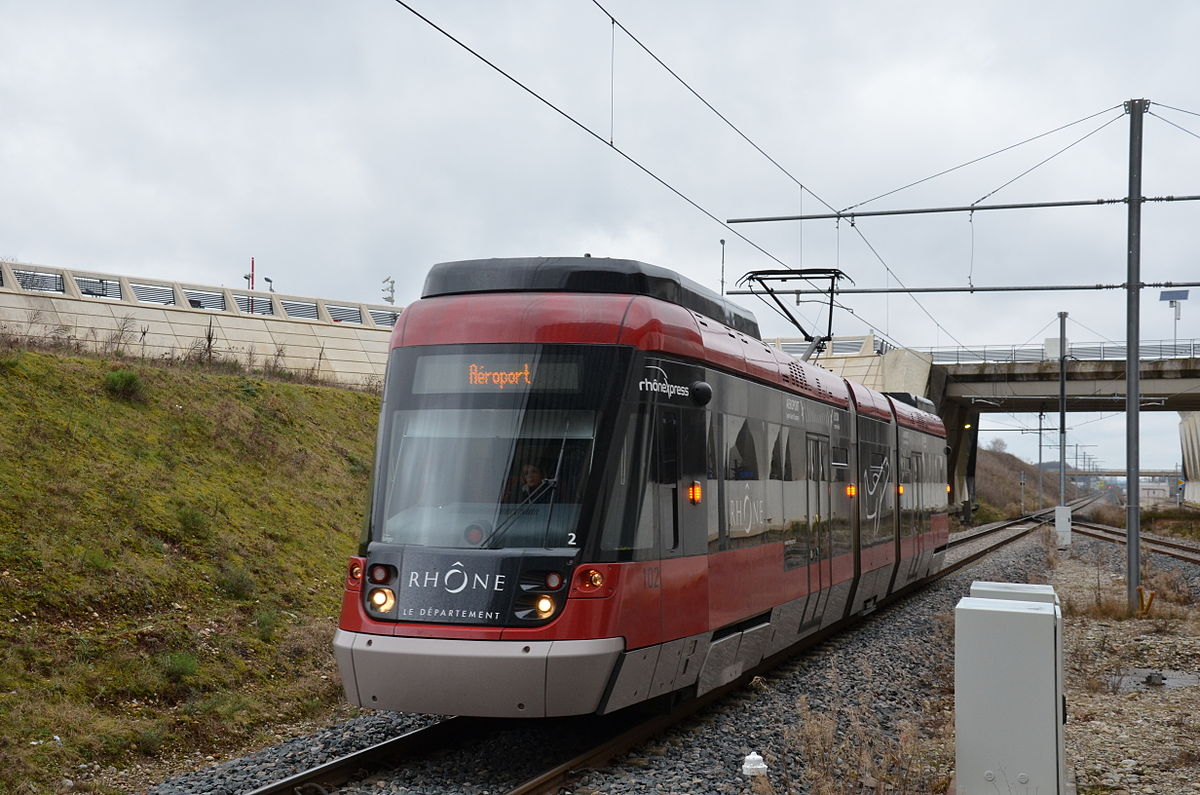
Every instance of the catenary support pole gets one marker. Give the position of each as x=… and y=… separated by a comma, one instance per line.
x=1135, y=108
x=1041, y=469
x=1062, y=408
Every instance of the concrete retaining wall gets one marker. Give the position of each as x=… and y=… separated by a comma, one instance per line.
x=342, y=341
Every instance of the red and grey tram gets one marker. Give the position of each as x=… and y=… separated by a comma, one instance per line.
x=595, y=485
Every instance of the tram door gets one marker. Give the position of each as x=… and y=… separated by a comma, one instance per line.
x=910, y=515
x=918, y=509
x=682, y=519
x=820, y=541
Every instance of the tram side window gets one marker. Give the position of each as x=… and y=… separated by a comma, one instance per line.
x=908, y=498
x=742, y=457
x=921, y=497
x=666, y=459
x=710, y=454
x=713, y=471
x=632, y=536
x=777, y=459
x=840, y=521
x=876, y=502
x=745, y=496
x=940, y=495
x=776, y=522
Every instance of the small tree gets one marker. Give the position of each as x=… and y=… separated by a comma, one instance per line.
x=998, y=445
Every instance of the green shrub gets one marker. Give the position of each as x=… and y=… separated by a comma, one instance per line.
x=357, y=466
x=236, y=582
x=179, y=665
x=266, y=620
x=149, y=739
x=193, y=522
x=96, y=559
x=125, y=384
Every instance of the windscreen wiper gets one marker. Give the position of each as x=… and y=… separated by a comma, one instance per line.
x=549, y=485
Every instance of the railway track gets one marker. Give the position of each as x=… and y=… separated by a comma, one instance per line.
x=610, y=736
x=1157, y=544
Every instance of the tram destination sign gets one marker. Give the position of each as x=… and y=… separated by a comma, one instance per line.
x=472, y=373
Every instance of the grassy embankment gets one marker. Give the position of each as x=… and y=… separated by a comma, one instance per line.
x=998, y=480
x=171, y=552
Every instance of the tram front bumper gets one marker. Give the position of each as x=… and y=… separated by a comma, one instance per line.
x=504, y=679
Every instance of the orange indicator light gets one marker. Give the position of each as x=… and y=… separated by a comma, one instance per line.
x=901, y=487
x=851, y=490
x=695, y=493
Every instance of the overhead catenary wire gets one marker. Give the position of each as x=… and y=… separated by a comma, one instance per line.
x=1178, y=110
x=803, y=187
x=1173, y=124
x=1075, y=322
x=707, y=104
x=1048, y=159
x=979, y=159
x=629, y=158
x=899, y=281
x=1039, y=331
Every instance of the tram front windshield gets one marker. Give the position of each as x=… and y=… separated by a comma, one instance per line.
x=488, y=447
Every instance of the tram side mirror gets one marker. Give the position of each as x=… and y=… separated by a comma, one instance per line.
x=700, y=392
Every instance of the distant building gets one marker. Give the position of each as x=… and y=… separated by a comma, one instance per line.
x=1155, y=491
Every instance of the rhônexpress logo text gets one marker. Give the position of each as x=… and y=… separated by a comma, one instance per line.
x=660, y=383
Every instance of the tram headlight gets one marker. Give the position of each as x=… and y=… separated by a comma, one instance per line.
x=382, y=599
x=592, y=579
x=544, y=606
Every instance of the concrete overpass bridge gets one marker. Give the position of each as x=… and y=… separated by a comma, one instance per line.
x=965, y=383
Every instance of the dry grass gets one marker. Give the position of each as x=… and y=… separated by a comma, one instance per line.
x=847, y=750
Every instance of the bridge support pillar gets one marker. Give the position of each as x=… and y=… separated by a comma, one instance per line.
x=962, y=436
x=1189, y=438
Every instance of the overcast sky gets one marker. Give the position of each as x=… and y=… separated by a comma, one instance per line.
x=340, y=143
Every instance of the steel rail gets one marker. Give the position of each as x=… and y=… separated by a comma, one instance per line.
x=346, y=768
x=1160, y=546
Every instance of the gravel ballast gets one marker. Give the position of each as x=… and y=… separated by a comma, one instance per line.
x=890, y=676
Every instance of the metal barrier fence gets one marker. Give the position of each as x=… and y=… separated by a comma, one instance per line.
x=1000, y=354
x=1086, y=351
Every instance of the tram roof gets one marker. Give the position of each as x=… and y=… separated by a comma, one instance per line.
x=585, y=275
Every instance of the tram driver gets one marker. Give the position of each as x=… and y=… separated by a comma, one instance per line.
x=530, y=481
